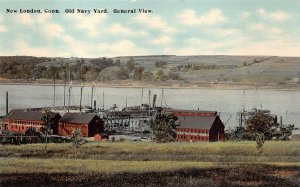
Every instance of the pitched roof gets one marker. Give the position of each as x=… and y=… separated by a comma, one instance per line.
x=180, y=111
x=77, y=118
x=24, y=114
x=196, y=122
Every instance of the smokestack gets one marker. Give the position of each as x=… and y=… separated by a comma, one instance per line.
x=6, y=102
x=95, y=105
x=154, y=101
x=80, y=107
x=241, y=119
x=280, y=121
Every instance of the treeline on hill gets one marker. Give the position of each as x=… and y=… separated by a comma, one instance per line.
x=33, y=68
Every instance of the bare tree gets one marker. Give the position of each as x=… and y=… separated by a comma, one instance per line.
x=48, y=123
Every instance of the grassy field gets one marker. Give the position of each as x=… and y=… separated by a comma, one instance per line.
x=140, y=164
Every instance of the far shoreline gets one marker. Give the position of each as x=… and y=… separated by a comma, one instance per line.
x=162, y=85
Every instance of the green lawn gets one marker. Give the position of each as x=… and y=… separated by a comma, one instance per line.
x=235, y=163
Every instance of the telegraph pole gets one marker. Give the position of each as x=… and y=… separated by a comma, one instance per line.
x=6, y=102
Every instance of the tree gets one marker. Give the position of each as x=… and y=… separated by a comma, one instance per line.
x=163, y=127
x=260, y=123
x=160, y=75
x=48, y=124
x=173, y=76
x=76, y=139
x=130, y=65
x=34, y=135
x=122, y=73
x=138, y=73
x=263, y=127
x=147, y=76
x=159, y=64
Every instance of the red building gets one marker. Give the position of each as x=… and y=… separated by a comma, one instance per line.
x=89, y=124
x=194, y=125
x=19, y=120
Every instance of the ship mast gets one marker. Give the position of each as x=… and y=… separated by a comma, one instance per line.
x=54, y=91
x=92, y=97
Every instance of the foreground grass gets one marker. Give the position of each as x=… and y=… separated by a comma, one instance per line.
x=140, y=151
x=151, y=164
x=78, y=172
x=18, y=165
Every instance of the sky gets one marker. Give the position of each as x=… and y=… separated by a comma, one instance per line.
x=174, y=27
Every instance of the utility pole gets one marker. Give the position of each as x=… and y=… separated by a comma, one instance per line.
x=103, y=101
x=92, y=97
x=80, y=98
x=69, y=99
x=54, y=91
x=142, y=96
x=149, y=104
x=162, y=97
x=65, y=80
x=6, y=102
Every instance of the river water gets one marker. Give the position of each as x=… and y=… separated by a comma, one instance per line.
x=227, y=102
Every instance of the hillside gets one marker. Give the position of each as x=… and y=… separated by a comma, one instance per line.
x=279, y=72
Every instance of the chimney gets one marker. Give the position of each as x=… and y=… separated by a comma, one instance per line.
x=95, y=105
x=154, y=101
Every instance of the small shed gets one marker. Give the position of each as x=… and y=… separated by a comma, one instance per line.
x=89, y=124
x=101, y=136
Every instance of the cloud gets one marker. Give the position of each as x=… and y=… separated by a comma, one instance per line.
x=245, y=15
x=239, y=46
x=119, y=29
x=257, y=26
x=25, y=19
x=122, y=48
x=222, y=31
x=43, y=22
x=43, y=18
x=199, y=46
x=23, y=48
x=53, y=30
x=3, y=28
x=212, y=17
x=162, y=40
x=275, y=16
x=278, y=47
x=70, y=46
x=266, y=31
x=275, y=30
x=88, y=23
x=154, y=22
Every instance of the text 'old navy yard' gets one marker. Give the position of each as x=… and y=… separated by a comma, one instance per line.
x=79, y=11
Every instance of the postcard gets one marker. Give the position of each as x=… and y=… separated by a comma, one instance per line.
x=149, y=93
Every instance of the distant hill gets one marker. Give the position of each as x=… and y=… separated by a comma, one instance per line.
x=157, y=68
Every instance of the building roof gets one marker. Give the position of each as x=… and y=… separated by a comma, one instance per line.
x=77, y=118
x=196, y=122
x=24, y=114
x=190, y=112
